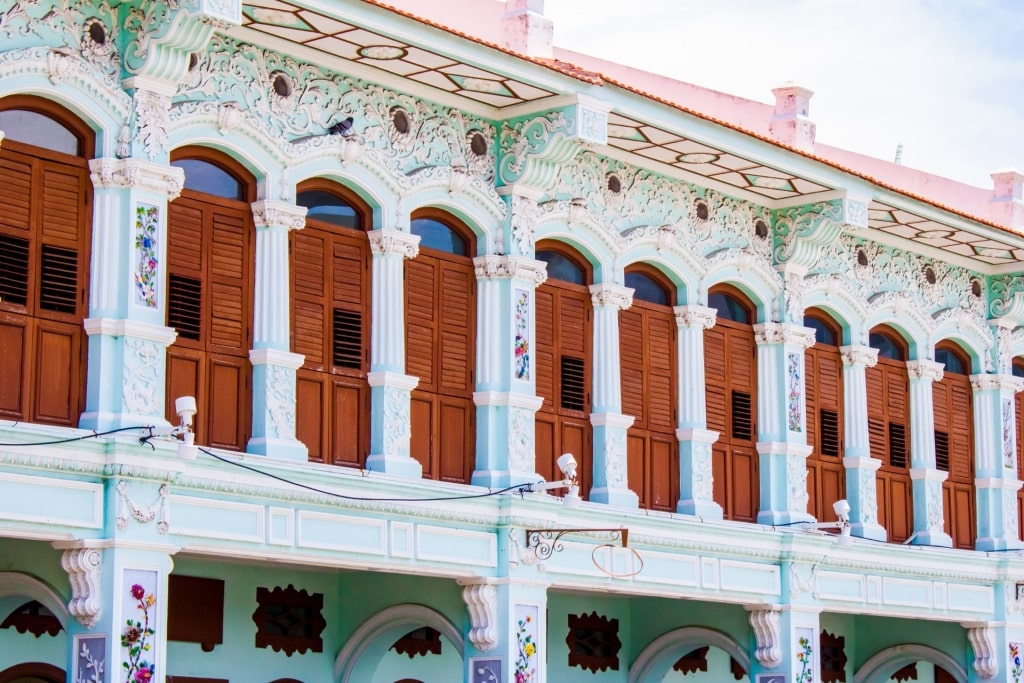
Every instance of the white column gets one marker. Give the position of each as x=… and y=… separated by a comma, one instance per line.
x=696, y=484
x=390, y=387
x=927, y=479
x=995, y=461
x=861, y=489
x=610, y=425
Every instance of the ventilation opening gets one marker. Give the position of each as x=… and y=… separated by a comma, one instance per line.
x=58, y=280
x=13, y=270
x=942, y=451
x=829, y=422
x=897, y=445
x=348, y=339
x=184, y=304
x=742, y=420
x=573, y=383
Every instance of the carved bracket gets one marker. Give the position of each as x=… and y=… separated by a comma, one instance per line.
x=767, y=629
x=482, y=602
x=983, y=642
x=83, y=567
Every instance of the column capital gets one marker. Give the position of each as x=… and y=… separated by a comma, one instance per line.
x=605, y=294
x=784, y=333
x=269, y=213
x=695, y=316
x=384, y=241
x=493, y=266
x=285, y=359
x=117, y=327
x=161, y=179
x=925, y=369
x=857, y=354
x=1000, y=382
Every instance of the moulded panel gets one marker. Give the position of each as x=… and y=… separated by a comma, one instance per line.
x=963, y=517
x=12, y=365
x=832, y=489
x=664, y=473
x=186, y=376
x=576, y=440
x=348, y=414
x=744, y=485
x=948, y=510
x=882, y=498
x=719, y=477
x=309, y=412
x=544, y=445
x=901, y=520
x=813, y=490
x=455, y=446
x=421, y=414
x=636, y=470
x=226, y=408
x=58, y=354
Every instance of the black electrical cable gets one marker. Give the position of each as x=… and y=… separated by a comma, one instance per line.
x=72, y=439
x=522, y=488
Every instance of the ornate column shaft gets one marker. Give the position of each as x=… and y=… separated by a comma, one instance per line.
x=610, y=425
x=696, y=491
x=273, y=365
x=390, y=387
x=927, y=479
x=506, y=383
x=995, y=461
x=782, y=422
x=127, y=303
x=861, y=490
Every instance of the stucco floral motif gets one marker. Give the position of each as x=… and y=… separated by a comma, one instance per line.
x=280, y=402
x=520, y=443
x=805, y=655
x=1015, y=667
x=152, y=117
x=90, y=661
x=796, y=480
x=1009, y=438
x=868, y=501
x=702, y=477
x=522, y=331
x=525, y=670
x=396, y=421
x=524, y=223
x=147, y=222
x=615, y=454
x=1010, y=519
x=142, y=359
x=933, y=501
x=794, y=392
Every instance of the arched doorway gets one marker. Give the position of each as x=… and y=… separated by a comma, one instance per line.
x=691, y=653
x=33, y=672
x=45, y=233
x=909, y=662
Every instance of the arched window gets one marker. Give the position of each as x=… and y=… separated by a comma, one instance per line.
x=564, y=365
x=953, y=410
x=209, y=295
x=330, y=324
x=826, y=478
x=730, y=368
x=647, y=357
x=45, y=226
x=888, y=399
x=440, y=343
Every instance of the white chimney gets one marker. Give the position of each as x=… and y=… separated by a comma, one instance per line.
x=1007, y=202
x=527, y=30
x=791, y=123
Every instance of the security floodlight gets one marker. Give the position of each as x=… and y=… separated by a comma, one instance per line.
x=185, y=407
x=567, y=464
x=842, y=509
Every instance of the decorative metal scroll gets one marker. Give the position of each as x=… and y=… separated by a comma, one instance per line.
x=546, y=542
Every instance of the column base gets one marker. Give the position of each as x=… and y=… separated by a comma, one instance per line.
x=869, y=530
x=705, y=509
x=623, y=498
x=398, y=465
x=104, y=421
x=784, y=517
x=998, y=544
x=938, y=539
x=279, y=449
x=500, y=479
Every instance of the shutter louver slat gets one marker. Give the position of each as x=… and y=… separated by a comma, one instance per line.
x=897, y=445
x=941, y=450
x=348, y=339
x=573, y=372
x=830, y=445
x=545, y=352
x=184, y=306
x=15, y=200
x=742, y=419
x=419, y=325
x=631, y=344
x=14, y=256
x=62, y=199
x=456, y=343
x=58, y=279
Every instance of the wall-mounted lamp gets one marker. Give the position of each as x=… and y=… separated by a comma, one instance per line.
x=567, y=464
x=842, y=509
x=185, y=407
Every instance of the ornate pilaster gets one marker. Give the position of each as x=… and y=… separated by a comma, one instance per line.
x=782, y=422
x=127, y=336
x=927, y=479
x=787, y=642
x=508, y=633
x=610, y=425
x=861, y=489
x=390, y=387
x=995, y=466
x=506, y=379
x=696, y=487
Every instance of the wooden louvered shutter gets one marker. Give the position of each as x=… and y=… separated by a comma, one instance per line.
x=954, y=453
x=825, y=480
x=1018, y=407
x=632, y=366
x=889, y=432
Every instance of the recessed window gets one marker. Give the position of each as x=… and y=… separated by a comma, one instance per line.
x=327, y=207
x=886, y=345
x=33, y=128
x=952, y=362
x=646, y=288
x=823, y=334
x=434, y=234
x=561, y=267
x=729, y=307
x=203, y=176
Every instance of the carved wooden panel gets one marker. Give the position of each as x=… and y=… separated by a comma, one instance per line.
x=422, y=641
x=833, y=658
x=693, y=661
x=289, y=620
x=34, y=618
x=593, y=642
x=195, y=610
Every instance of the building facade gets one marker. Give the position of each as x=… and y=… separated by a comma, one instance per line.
x=402, y=265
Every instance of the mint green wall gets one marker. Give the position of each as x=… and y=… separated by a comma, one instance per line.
x=653, y=617
x=430, y=668
x=560, y=606
x=719, y=670
x=42, y=562
x=875, y=634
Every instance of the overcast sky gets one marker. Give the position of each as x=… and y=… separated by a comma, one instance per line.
x=943, y=77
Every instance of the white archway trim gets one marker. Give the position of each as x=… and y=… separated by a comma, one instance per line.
x=675, y=644
x=17, y=583
x=397, y=620
x=883, y=665
x=748, y=271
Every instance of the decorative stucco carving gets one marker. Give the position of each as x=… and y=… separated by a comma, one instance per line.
x=152, y=118
x=933, y=504
x=524, y=216
x=767, y=625
x=396, y=421
x=796, y=483
x=925, y=369
x=83, y=567
x=520, y=441
x=138, y=174
x=385, y=242
x=696, y=316
x=703, y=478
x=280, y=402
x=267, y=213
x=616, y=296
x=804, y=230
x=983, y=642
x=143, y=515
x=859, y=355
x=482, y=602
x=615, y=459
x=534, y=149
x=143, y=361
x=868, y=496
x=493, y=267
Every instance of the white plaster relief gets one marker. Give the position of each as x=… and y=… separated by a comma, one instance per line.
x=703, y=479
x=868, y=496
x=925, y=369
x=796, y=480
x=520, y=442
x=142, y=515
x=143, y=360
x=616, y=296
x=494, y=267
x=152, y=118
x=524, y=217
x=396, y=421
x=767, y=630
x=269, y=214
x=163, y=180
x=859, y=355
x=695, y=316
x=934, y=505
x=83, y=567
x=615, y=460
x=983, y=642
x=383, y=242
x=280, y=402
x=482, y=602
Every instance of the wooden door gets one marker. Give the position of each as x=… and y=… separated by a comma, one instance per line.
x=954, y=453
x=730, y=367
x=209, y=303
x=826, y=477
x=889, y=434
x=647, y=351
x=440, y=326
x=45, y=216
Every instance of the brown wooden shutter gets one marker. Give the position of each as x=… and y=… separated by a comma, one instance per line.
x=825, y=474
x=889, y=432
x=954, y=453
